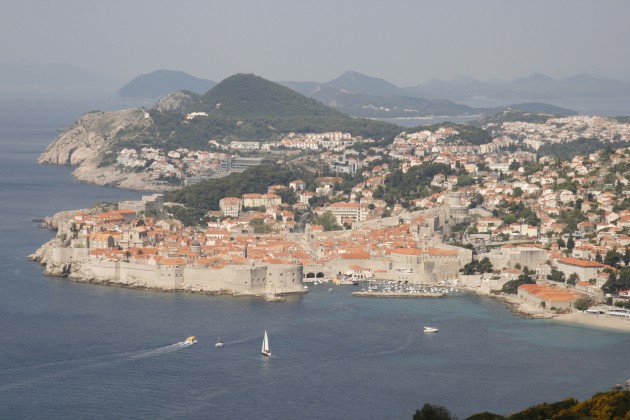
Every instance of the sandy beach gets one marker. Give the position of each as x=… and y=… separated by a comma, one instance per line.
x=529, y=310
x=595, y=321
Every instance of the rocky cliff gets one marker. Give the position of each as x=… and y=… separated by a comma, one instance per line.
x=92, y=135
x=87, y=143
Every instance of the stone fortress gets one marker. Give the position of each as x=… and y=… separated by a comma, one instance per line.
x=425, y=258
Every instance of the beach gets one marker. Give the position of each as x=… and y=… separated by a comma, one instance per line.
x=595, y=321
x=530, y=310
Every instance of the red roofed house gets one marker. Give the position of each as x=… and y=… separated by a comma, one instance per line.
x=585, y=270
x=552, y=296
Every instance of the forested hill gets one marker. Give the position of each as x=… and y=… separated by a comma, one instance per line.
x=197, y=199
x=248, y=107
x=250, y=96
x=206, y=194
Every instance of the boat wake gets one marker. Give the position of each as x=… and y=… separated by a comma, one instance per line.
x=29, y=373
x=162, y=350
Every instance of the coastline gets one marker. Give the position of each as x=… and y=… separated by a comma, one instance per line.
x=594, y=321
x=527, y=309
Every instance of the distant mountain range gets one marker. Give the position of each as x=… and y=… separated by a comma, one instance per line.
x=364, y=96
x=163, y=82
x=534, y=87
x=352, y=93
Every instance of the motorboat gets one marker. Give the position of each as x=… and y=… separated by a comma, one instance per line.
x=191, y=340
x=430, y=329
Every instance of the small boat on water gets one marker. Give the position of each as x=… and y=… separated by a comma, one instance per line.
x=191, y=340
x=265, y=345
x=219, y=343
x=430, y=329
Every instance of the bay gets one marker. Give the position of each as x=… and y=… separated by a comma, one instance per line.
x=72, y=350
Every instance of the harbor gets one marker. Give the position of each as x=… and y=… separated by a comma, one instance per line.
x=399, y=294
x=393, y=289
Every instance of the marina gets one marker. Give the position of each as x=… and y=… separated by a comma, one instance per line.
x=399, y=294
x=393, y=289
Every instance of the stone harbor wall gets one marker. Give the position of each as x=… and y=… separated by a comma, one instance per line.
x=255, y=280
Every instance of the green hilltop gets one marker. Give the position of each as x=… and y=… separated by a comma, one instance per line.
x=250, y=96
x=248, y=107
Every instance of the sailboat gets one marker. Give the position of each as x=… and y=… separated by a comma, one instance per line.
x=219, y=343
x=265, y=345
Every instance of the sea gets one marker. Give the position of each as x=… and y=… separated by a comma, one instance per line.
x=75, y=350
x=605, y=107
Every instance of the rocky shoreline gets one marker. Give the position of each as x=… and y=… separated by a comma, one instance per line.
x=85, y=143
x=517, y=305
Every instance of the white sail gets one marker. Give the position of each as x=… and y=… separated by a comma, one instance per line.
x=265, y=345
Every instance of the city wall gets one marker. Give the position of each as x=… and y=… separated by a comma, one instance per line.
x=256, y=280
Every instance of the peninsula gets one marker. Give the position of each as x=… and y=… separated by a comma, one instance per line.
x=526, y=205
x=124, y=246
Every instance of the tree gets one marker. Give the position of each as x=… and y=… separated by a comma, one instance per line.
x=573, y=278
x=327, y=220
x=517, y=192
x=287, y=195
x=433, y=412
x=556, y=275
x=475, y=201
x=626, y=257
x=611, y=284
x=561, y=243
x=570, y=243
x=485, y=266
x=582, y=304
x=612, y=258
x=260, y=226
x=511, y=287
x=477, y=267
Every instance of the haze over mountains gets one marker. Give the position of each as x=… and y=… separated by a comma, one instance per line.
x=352, y=93
x=53, y=74
x=163, y=82
x=536, y=86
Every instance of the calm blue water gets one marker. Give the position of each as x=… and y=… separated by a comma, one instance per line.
x=70, y=350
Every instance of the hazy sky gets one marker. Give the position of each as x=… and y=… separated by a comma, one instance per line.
x=403, y=41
